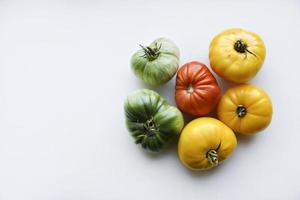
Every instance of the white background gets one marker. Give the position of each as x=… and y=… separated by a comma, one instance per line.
x=64, y=74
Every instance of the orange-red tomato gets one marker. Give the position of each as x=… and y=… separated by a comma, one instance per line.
x=197, y=91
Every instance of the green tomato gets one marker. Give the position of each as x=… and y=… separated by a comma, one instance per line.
x=157, y=63
x=151, y=120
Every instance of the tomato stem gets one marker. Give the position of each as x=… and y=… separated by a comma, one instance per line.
x=241, y=111
x=241, y=47
x=212, y=156
x=150, y=126
x=151, y=53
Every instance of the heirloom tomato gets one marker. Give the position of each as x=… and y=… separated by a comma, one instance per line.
x=157, y=63
x=237, y=54
x=204, y=143
x=151, y=120
x=197, y=91
x=246, y=109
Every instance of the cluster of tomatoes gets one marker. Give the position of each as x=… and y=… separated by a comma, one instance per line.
x=236, y=55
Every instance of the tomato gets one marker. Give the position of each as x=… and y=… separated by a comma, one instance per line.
x=246, y=109
x=197, y=91
x=204, y=143
x=151, y=120
x=157, y=63
x=237, y=54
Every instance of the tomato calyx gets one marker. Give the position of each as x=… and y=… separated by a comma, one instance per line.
x=241, y=47
x=150, y=127
x=241, y=111
x=212, y=156
x=190, y=88
x=151, y=53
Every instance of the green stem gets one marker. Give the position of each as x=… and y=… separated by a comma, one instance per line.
x=151, y=53
x=212, y=156
x=149, y=126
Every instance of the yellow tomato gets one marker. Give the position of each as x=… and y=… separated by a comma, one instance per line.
x=204, y=143
x=246, y=109
x=237, y=54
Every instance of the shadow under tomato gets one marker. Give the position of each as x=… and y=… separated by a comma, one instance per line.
x=225, y=84
x=204, y=173
x=169, y=150
x=188, y=118
x=246, y=139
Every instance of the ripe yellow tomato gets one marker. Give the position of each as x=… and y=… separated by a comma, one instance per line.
x=237, y=54
x=246, y=109
x=204, y=143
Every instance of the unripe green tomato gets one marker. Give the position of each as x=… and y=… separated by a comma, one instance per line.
x=157, y=63
x=151, y=120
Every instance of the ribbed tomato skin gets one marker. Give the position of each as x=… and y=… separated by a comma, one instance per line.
x=205, y=92
x=145, y=106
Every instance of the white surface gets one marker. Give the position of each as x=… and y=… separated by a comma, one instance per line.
x=64, y=74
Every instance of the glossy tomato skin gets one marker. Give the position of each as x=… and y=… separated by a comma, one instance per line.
x=246, y=109
x=151, y=120
x=237, y=54
x=201, y=136
x=197, y=91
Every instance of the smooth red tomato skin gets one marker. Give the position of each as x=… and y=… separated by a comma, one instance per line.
x=197, y=92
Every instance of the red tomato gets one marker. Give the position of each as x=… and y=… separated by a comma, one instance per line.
x=197, y=91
